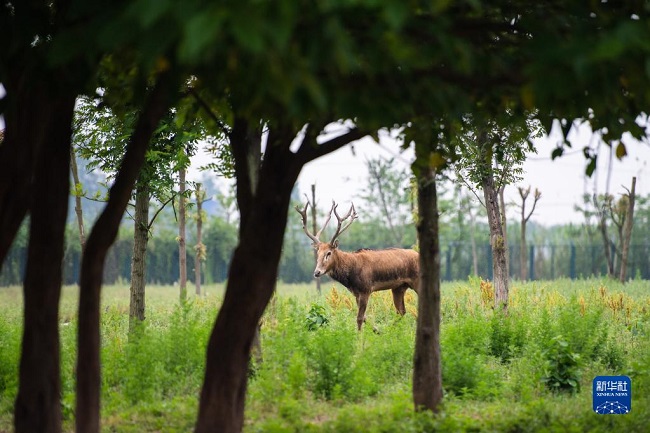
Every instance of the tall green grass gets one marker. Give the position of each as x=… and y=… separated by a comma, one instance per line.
x=528, y=371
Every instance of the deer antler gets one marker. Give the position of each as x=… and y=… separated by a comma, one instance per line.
x=303, y=214
x=352, y=213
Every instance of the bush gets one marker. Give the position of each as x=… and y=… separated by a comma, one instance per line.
x=563, y=366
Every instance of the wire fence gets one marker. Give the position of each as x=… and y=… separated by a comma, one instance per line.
x=543, y=262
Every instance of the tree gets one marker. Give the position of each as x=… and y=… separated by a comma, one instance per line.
x=427, y=364
x=199, y=248
x=627, y=228
x=492, y=152
x=382, y=64
x=523, y=251
x=388, y=195
x=182, y=249
x=100, y=131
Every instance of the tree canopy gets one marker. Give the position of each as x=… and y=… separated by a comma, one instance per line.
x=285, y=69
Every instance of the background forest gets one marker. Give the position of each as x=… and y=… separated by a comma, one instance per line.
x=572, y=250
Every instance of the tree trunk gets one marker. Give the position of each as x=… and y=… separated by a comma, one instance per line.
x=472, y=238
x=101, y=237
x=523, y=253
x=77, y=199
x=182, y=249
x=427, y=371
x=38, y=404
x=602, y=226
x=314, y=228
x=627, y=230
x=504, y=227
x=199, y=257
x=26, y=106
x=264, y=205
x=251, y=281
x=139, y=259
x=499, y=263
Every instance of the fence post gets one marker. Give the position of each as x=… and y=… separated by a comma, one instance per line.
x=572, y=262
x=448, y=264
x=531, y=263
x=552, y=262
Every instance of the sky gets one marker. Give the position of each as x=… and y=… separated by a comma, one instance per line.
x=342, y=175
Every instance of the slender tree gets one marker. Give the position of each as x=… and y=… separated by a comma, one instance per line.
x=523, y=251
x=627, y=229
x=182, y=249
x=199, y=249
x=78, y=193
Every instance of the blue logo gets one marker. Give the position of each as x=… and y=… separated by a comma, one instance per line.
x=612, y=395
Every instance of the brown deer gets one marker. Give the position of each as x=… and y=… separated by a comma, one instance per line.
x=364, y=271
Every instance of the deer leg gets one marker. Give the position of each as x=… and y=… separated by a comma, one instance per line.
x=362, y=302
x=398, y=299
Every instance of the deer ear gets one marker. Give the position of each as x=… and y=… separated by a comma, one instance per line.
x=336, y=243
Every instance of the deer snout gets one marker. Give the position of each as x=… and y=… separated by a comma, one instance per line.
x=317, y=273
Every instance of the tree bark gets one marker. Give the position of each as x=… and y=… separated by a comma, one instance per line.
x=427, y=370
x=101, y=237
x=182, y=248
x=251, y=281
x=38, y=404
x=27, y=104
x=627, y=230
x=499, y=261
x=504, y=227
x=602, y=227
x=523, y=253
x=139, y=259
x=77, y=199
x=200, y=248
x=263, y=203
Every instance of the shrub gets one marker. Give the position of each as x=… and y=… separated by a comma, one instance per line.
x=563, y=367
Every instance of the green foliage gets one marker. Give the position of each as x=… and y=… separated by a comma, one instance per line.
x=330, y=356
x=507, y=337
x=563, y=368
x=496, y=369
x=316, y=317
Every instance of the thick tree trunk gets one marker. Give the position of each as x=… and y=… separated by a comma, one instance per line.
x=627, y=230
x=251, y=281
x=263, y=202
x=26, y=106
x=38, y=404
x=427, y=371
x=499, y=261
x=182, y=248
x=139, y=259
x=101, y=237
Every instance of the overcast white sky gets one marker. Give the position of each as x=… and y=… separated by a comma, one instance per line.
x=341, y=175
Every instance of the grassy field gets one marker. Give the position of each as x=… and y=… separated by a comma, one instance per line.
x=530, y=371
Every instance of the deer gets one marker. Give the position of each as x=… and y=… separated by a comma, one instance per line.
x=363, y=271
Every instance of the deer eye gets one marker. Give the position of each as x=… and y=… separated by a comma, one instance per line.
x=327, y=255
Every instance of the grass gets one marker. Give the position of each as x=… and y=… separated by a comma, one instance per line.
x=530, y=371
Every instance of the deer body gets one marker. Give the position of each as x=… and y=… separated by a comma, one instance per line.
x=365, y=271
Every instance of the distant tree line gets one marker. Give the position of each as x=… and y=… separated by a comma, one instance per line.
x=571, y=251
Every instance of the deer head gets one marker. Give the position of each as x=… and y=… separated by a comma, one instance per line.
x=326, y=251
